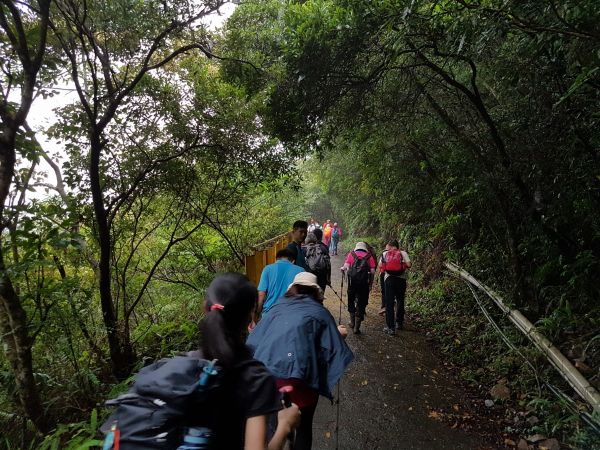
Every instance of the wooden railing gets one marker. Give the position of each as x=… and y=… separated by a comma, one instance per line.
x=264, y=253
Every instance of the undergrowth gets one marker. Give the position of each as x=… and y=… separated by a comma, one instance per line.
x=448, y=310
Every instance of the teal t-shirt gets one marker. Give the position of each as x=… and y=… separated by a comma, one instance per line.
x=275, y=279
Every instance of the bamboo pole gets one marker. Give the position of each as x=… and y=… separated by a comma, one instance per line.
x=577, y=381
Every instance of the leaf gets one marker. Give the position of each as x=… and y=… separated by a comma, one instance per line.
x=435, y=415
x=94, y=419
x=581, y=79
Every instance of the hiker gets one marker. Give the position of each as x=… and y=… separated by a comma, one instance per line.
x=316, y=256
x=299, y=231
x=394, y=265
x=300, y=343
x=373, y=253
x=172, y=405
x=327, y=233
x=274, y=281
x=336, y=237
x=314, y=225
x=382, y=280
x=359, y=266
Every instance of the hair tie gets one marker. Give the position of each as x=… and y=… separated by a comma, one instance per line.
x=217, y=306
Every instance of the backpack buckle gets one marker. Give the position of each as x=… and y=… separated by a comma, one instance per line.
x=207, y=372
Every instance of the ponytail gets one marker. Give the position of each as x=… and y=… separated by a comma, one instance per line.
x=216, y=344
x=230, y=299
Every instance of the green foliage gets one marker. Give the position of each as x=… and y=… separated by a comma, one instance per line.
x=74, y=436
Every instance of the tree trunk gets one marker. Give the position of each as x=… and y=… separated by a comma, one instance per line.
x=121, y=351
x=13, y=319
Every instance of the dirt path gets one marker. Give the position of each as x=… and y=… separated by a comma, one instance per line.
x=392, y=392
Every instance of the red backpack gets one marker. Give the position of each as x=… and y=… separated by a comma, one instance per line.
x=394, y=262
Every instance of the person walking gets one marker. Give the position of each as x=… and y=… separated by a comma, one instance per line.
x=359, y=266
x=336, y=237
x=327, y=233
x=300, y=343
x=274, y=281
x=316, y=256
x=251, y=396
x=394, y=265
x=382, y=281
x=299, y=231
x=313, y=225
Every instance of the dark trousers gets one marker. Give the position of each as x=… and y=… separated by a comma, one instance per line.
x=304, y=431
x=382, y=284
x=358, y=297
x=322, y=280
x=395, y=290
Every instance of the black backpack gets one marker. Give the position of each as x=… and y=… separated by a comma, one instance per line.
x=359, y=272
x=317, y=259
x=161, y=409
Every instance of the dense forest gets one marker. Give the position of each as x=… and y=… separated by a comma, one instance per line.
x=468, y=129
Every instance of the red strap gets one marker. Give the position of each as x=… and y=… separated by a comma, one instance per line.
x=117, y=436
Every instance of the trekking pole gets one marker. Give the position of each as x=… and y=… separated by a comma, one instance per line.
x=340, y=296
x=287, y=402
x=336, y=294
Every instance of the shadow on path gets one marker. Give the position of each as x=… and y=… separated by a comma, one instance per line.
x=391, y=392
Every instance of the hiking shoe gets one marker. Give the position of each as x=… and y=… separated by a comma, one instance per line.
x=352, y=321
x=357, y=327
x=389, y=331
x=381, y=311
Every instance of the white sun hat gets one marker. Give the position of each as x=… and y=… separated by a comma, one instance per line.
x=305, y=279
x=361, y=246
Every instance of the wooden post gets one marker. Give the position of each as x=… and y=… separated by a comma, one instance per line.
x=251, y=268
x=261, y=262
x=272, y=253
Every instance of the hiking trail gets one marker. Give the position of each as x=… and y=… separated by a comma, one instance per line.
x=394, y=394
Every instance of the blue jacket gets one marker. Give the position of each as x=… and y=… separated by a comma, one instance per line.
x=299, y=339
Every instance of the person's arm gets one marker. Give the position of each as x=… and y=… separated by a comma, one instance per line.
x=256, y=430
x=263, y=287
x=372, y=266
x=406, y=260
x=382, y=264
x=259, y=306
x=347, y=263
